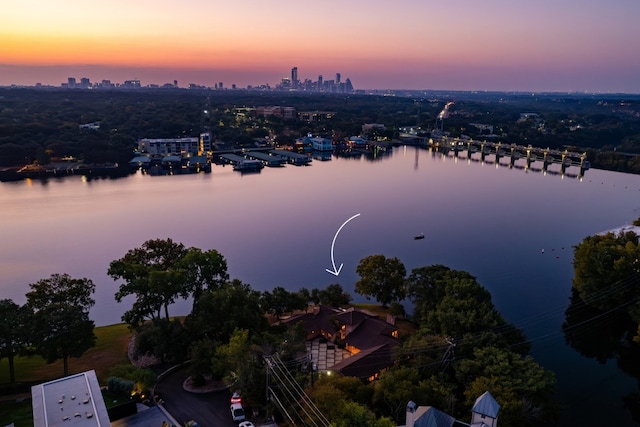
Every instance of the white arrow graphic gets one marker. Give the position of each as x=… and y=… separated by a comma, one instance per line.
x=335, y=271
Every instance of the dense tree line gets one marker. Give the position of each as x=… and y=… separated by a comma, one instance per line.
x=455, y=315
x=603, y=320
x=37, y=125
x=54, y=323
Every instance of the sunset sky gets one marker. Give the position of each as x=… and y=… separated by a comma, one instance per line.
x=544, y=45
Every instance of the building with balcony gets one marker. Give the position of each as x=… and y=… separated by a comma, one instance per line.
x=176, y=146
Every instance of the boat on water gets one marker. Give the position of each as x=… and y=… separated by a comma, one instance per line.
x=419, y=236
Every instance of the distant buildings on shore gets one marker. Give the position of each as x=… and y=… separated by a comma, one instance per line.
x=289, y=83
x=320, y=85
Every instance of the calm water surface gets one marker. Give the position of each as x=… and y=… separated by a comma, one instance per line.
x=275, y=228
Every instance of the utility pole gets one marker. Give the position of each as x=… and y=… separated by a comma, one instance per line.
x=449, y=355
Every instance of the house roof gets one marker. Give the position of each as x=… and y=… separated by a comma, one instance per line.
x=198, y=159
x=366, y=363
x=486, y=405
x=433, y=417
x=152, y=416
x=371, y=332
x=75, y=400
x=140, y=159
x=366, y=331
x=319, y=319
x=352, y=317
x=372, y=336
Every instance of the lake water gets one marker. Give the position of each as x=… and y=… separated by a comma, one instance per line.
x=276, y=228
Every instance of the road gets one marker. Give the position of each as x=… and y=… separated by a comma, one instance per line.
x=209, y=410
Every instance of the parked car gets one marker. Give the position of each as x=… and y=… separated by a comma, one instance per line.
x=237, y=412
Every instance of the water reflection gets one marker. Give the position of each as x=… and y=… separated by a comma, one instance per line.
x=275, y=229
x=605, y=335
x=601, y=335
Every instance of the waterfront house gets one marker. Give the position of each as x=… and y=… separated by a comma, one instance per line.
x=322, y=144
x=357, y=140
x=317, y=143
x=364, y=342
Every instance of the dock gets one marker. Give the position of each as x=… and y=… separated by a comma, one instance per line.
x=240, y=163
x=273, y=160
x=293, y=158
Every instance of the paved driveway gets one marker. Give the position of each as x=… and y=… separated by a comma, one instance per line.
x=209, y=410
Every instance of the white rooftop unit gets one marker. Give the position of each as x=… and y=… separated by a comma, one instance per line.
x=73, y=401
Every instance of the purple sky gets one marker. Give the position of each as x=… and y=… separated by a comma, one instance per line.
x=567, y=45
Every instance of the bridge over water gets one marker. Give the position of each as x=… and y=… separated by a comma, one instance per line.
x=486, y=150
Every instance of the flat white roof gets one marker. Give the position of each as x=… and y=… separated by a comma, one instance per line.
x=169, y=140
x=73, y=401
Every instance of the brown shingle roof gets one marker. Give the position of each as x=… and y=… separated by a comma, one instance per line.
x=366, y=363
x=363, y=330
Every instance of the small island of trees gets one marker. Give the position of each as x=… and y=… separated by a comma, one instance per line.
x=602, y=321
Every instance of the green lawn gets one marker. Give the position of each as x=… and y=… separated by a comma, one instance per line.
x=18, y=413
x=110, y=350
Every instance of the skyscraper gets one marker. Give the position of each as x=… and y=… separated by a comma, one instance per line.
x=337, y=78
x=294, y=77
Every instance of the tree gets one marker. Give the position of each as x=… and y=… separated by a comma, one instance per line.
x=280, y=301
x=343, y=400
x=61, y=324
x=287, y=340
x=334, y=296
x=220, y=311
x=152, y=273
x=14, y=334
x=238, y=357
x=143, y=378
x=352, y=414
x=202, y=270
x=165, y=339
x=201, y=366
x=422, y=352
x=607, y=269
x=394, y=389
x=524, y=389
x=381, y=278
x=453, y=304
x=424, y=288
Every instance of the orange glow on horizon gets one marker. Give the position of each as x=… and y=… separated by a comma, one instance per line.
x=415, y=43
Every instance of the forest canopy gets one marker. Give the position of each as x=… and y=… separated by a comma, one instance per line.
x=42, y=125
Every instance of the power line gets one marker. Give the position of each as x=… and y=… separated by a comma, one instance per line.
x=297, y=400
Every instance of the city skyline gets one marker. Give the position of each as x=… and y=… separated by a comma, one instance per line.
x=292, y=82
x=574, y=46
